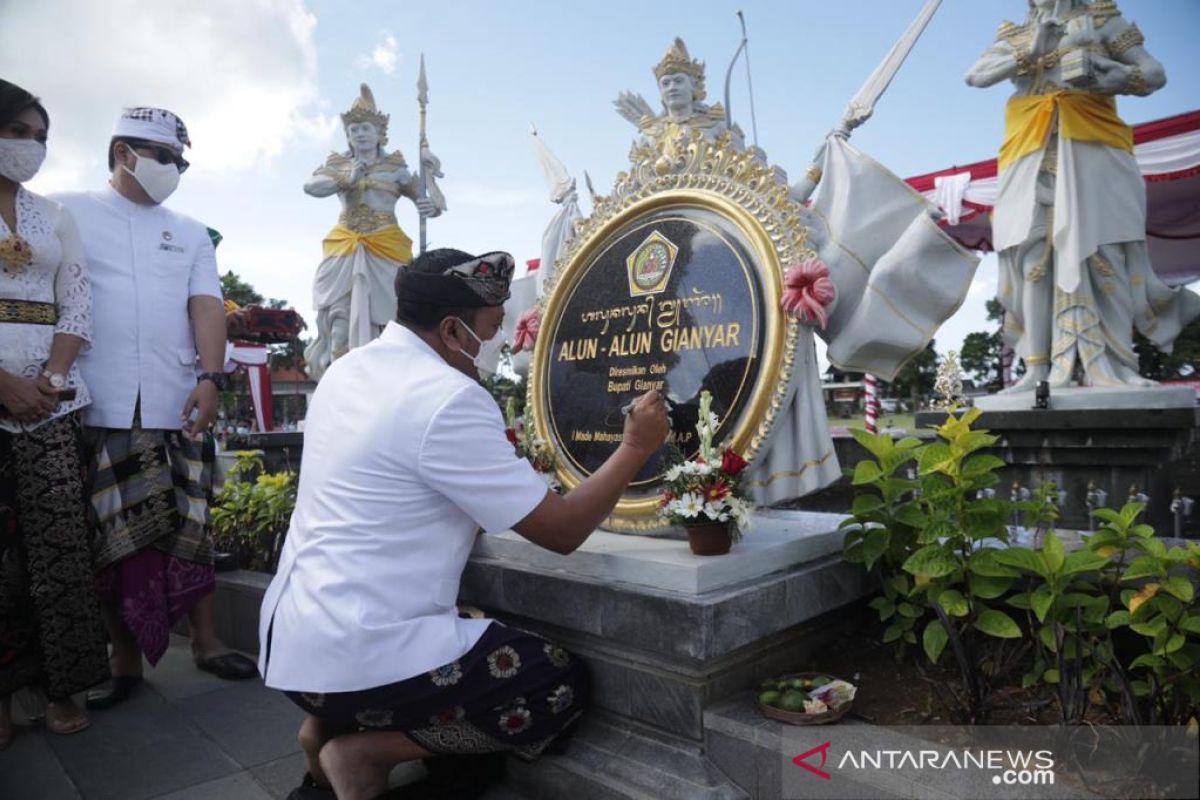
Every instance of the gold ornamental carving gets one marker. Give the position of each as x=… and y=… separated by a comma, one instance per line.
x=689, y=171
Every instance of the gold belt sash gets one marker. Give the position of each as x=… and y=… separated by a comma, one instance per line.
x=390, y=243
x=1082, y=116
x=29, y=312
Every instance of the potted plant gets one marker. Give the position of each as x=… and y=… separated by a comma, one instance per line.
x=704, y=494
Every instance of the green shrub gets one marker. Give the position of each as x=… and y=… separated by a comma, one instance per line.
x=1112, y=625
x=251, y=513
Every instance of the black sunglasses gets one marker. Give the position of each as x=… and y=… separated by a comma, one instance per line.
x=161, y=154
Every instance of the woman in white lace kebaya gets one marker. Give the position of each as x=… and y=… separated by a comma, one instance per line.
x=52, y=639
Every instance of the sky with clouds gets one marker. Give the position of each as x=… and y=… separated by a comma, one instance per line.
x=260, y=84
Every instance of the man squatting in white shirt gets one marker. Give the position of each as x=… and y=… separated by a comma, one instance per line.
x=405, y=459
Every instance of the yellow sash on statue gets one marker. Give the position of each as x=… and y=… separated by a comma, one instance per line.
x=390, y=243
x=1081, y=116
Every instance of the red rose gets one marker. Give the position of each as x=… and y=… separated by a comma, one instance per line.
x=732, y=463
x=511, y=433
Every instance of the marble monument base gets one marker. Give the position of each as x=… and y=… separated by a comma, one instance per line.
x=1155, y=447
x=1095, y=397
x=665, y=635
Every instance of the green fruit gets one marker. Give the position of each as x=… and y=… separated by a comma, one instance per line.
x=808, y=684
x=793, y=701
x=817, y=683
x=798, y=683
x=769, y=698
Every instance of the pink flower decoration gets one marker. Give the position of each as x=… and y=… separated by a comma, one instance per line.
x=527, y=330
x=808, y=292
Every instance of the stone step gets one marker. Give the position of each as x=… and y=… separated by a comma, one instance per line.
x=612, y=760
x=752, y=751
x=745, y=745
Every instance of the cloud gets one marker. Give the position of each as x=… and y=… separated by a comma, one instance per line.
x=241, y=73
x=384, y=57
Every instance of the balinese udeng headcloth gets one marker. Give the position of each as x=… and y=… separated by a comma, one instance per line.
x=678, y=59
x=153, y=125
x=363, y=110
x=472, y=283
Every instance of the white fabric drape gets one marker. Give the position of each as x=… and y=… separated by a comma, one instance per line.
x=898, y=276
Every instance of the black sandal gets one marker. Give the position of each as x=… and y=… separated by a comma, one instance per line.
x=117, y=691
x=309, y=790
x=230, y=666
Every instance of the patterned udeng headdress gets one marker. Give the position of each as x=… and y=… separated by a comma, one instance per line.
x=363, y=110
x=472, y=283
x=153, y=125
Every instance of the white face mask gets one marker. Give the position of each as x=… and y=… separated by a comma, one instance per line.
x=20, y=159
x=487, y=359
x=159, y=180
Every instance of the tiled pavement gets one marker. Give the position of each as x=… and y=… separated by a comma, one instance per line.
x=184, y=735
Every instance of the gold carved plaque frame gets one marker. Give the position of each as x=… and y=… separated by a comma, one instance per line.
x=736, y=185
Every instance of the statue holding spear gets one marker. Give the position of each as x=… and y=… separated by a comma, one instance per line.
x=353, y=288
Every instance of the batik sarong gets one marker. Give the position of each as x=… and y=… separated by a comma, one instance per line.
x=149, y=494
x=51, y=634
x=512, y=691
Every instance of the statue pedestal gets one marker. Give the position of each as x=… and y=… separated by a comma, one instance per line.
x=1152, y=445
x=1089, y=397
x=665, y=634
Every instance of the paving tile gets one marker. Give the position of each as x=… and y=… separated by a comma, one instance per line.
x=239, y=786
x=141, y=749
x=29, y=769
x=250, y=722
x=176, y=676
x=280, y=776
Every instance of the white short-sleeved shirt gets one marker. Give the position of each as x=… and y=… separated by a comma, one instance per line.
x=145, y=263
x=405, y=458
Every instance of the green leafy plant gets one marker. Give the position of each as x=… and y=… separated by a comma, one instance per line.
x=939, y=529
x=1111, y=625
x=251, y=512
x=1162, y=612
x=1067, y=613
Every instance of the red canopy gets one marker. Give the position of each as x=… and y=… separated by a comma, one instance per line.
x=1168, y=153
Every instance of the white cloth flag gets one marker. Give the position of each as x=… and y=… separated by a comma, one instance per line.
x=899, y=276
x=561, y=228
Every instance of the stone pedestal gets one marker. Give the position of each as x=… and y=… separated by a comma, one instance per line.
x=1156, y=447
x=665, y=634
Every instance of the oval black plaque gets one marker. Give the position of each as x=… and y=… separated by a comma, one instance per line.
x=670, y=301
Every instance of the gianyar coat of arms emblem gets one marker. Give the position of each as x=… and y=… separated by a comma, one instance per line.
x=650, y=265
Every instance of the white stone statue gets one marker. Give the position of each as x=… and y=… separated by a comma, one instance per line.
x=354, y=291
x=681, y=89
x=1070, y=217
x=898, y=276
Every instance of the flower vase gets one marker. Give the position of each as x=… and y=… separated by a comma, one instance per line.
x=709, y=538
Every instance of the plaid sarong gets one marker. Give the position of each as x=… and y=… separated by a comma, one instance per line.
x=149, y=488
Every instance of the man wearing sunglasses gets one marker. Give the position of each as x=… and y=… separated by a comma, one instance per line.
x=155, y=368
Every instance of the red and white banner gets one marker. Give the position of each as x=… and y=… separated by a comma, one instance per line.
x=255, y=359
x=1168, y=153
